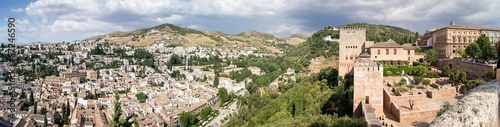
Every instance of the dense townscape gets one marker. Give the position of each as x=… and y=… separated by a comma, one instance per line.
x=338, y=76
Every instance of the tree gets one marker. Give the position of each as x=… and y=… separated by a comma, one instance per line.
x=187, y=119
x=205, y=112
x=462, y=52
x=473, y=50
x=66, y=112
x=459, y=77
x=35, y=109
x=462, y=77
x=445, y=71
x=454, y=76
x=223, y=95
x=420, y=70
x=141, y=97
x=32, y=99
x=216, y=81
x=64, y=118
x=116, y=121
x=418, y=79
x=331, y=75
x=431, y=56
x=418, y=50
x=45, y=121
x=488, y=52
x=83, y=80
x=117, y=111
x=43, y=111
x=426, y=82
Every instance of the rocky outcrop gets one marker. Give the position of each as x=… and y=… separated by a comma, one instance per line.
x=479, y=108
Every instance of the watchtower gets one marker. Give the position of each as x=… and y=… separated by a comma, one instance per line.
x=351, y=43
x=368, y=84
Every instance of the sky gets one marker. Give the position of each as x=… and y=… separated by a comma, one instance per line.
x=51, y=21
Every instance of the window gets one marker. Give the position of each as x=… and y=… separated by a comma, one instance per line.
x=378, y=52
x=408, y=52
x=453, y=51
x=387, y=51
x=395, y=51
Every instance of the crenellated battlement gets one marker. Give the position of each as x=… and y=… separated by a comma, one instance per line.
x=369, y=69
x=352, y=29
x=367, y=65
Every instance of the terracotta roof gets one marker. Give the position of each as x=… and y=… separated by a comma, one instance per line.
x=389, y=44
x=408, y=47
x=365, y=55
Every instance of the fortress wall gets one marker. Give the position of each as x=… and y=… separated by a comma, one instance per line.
x=443, y=93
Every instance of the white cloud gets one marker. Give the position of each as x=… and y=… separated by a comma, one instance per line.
x=195, y=26
x=17, y=10
x=172, y=19
x=80, y=18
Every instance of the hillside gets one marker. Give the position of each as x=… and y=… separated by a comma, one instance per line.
x=382, y=33
x=172, y=34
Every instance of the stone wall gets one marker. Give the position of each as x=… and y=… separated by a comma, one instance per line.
x=395, y=111
x=442, y=93
x=479, y=108
x=418, y=115
x=476, y=70
x=403, y=100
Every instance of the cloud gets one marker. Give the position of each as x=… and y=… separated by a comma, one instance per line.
x=171, y=19
x=18, y=10
x=59, y=20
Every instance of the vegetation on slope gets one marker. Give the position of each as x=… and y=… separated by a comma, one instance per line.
x=314, y=47
x=311, y=102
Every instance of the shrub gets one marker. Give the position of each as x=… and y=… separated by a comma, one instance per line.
x=388, y=73
x=443, y=109
x=434, y=86
x=419, y=64
x=433, y=75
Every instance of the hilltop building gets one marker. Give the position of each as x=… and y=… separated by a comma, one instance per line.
x=352, y=43
x=448, y=40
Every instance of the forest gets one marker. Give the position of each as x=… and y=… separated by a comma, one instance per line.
x=316, y=100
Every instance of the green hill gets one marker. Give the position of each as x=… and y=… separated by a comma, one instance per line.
x=382, y=33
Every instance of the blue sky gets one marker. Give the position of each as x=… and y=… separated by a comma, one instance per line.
x=69, y=20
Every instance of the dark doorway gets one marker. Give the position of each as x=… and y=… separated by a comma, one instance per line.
x=367, y=99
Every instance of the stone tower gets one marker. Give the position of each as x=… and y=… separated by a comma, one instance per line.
x=351, y=45
x=368, y=84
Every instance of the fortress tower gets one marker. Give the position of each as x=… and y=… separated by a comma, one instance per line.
x=351, y=45
x=368, y=85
